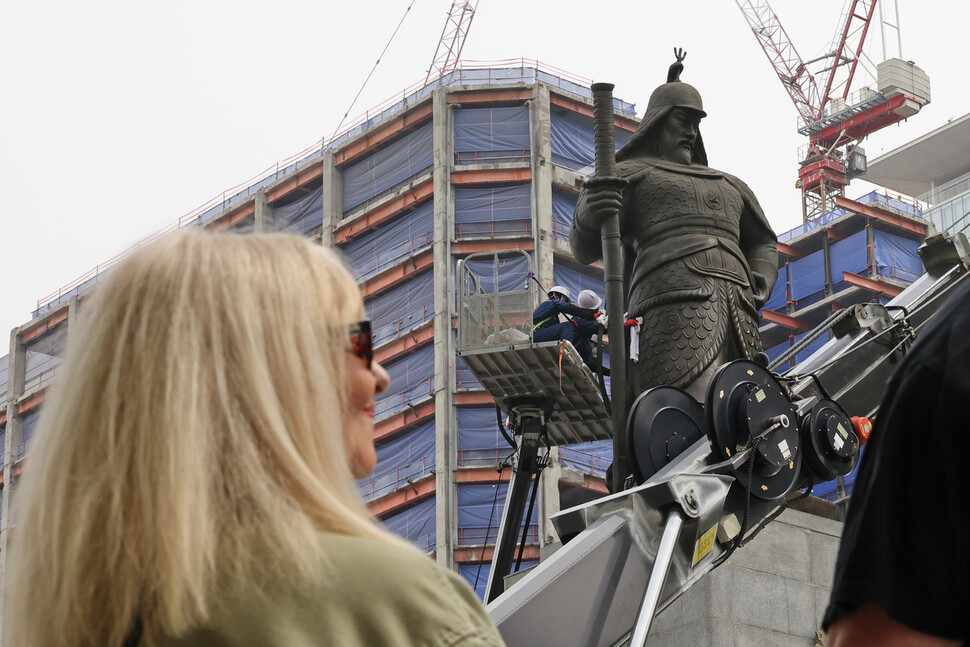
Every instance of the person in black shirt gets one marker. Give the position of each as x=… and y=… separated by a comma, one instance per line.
x=581, y=324
x=903, y=570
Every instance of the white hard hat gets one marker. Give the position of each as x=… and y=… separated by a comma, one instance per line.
x=558, y=289
x=589, y=299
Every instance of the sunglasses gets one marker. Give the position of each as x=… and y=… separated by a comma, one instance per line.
x=362, y=341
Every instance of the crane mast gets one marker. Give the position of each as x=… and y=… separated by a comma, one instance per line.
x=448, y=52
x=834, y=120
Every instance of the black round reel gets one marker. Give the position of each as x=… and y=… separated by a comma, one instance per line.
x=664, y=422
x=831, y=444
x=744, y=402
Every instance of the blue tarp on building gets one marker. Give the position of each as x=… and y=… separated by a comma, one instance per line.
x=563, y=208
x=486, y=212
x=388, y=167
x=405, y=458
x=417, y=524
x=572, y=140
x=779, y=294
x=849, y=255
x=807, y=275
x=412, y=380
x=490, y=135
x=480, y=512
x=578, y=278
x=300, y=216
x=394, y=242
x=511, y=273
x=895, y=257
x=402, y=308
x=480, y=443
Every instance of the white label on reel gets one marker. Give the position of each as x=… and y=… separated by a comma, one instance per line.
x=785, y=452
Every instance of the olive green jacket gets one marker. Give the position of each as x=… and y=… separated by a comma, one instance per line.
x=372, y=595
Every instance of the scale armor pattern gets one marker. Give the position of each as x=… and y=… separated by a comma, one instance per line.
x=685, y=328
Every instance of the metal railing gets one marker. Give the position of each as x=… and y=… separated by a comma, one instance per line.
x=428, y=543
x=393, y=330
x=397, y=403
x=485, y=535
x=397, y=254
x=39, y=380
x=891, y=200
x=487, y=315
x=482, y=457
x=491, y=157
x=465, y=379
x=396, y=479
x=363, y=206
x=560, y=231
x=493, y=228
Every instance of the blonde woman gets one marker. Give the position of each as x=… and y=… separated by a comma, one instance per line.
x=192, y=479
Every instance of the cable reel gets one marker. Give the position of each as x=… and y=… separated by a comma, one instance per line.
x=830, y=441
x=748, y=408
x=664, y=422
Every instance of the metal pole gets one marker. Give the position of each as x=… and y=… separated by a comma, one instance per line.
x=516, y=497
x=605, y=174
x=661, y=565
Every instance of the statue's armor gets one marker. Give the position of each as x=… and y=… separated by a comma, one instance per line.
x=690, y=281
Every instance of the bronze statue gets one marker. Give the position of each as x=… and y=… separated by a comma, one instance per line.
x=700, y=258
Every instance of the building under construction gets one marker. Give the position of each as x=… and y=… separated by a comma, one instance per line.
x=491, y=159
x=479, y=160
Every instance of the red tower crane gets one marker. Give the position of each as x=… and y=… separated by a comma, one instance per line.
x=448, y=52
x=833, y=121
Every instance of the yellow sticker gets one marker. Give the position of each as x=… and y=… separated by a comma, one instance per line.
x=721, y=394
x=750, y=372
x=704, y=544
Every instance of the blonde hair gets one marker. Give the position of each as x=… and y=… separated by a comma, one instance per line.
x=194, y=434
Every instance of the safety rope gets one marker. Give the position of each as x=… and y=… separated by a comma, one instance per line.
x=532, y=276
x=562, y=346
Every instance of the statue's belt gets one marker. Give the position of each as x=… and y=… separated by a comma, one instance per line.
x=671, y=248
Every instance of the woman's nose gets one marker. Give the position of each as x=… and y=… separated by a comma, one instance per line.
x=383, y=379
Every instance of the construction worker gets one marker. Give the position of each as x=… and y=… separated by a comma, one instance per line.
x=580, y=324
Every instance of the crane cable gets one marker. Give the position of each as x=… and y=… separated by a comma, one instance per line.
x=376, y=63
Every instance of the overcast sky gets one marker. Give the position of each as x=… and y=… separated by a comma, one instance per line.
x=120, y=116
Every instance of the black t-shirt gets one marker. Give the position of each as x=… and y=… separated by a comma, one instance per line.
x=906, y=541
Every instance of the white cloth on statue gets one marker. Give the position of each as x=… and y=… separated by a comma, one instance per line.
x=635, y=340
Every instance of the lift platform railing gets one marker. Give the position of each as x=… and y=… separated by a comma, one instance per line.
x=495, y=301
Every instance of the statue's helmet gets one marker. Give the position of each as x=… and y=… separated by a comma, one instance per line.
x=676, y=94
x=672, y=94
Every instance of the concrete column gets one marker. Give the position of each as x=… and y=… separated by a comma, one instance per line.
x=541, y=141
x=446, y=436
x=14, y=433
x=263, y=220
x=333, y=197
x=543, y=260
